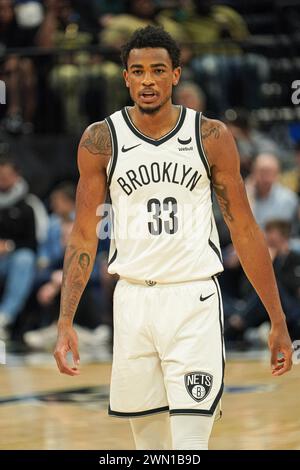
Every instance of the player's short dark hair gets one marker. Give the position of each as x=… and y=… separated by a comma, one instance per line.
x=283, y=226
x=151, y=36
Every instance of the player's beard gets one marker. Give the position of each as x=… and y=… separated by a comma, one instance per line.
x=155, y=109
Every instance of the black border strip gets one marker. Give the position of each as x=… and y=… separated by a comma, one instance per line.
x=212, y=245
x=112, y=259
x=112, y=233
x=155, y=142
x=191, y=412
x=199, y=144
x=114, y=156
x=120, y=414
x=213, y=407
x=222, y=335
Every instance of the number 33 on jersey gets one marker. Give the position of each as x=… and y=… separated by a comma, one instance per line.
x=163, y=226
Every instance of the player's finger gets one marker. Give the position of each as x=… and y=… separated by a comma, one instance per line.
x=274, y=358
x=75, y=354
x=63, y=365
x=286, y=365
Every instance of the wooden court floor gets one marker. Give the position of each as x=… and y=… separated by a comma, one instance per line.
x=41, y=409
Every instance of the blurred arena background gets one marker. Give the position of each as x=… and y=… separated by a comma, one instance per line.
x=60, y=66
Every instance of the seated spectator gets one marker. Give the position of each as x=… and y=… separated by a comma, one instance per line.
x=268, y=198
x=140, y=13
x=229, y=77
x=250, y=142
x=208, y=23
x=51, y=251
x=18, y=73
x=286, y=265
x=291, y=178
x=17, y=243
x=190, y=95
x=91, y=330
x=64, y=28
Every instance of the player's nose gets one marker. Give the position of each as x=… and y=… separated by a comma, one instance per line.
x=148, y=79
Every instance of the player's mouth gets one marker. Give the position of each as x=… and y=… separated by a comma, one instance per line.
x=148, y=96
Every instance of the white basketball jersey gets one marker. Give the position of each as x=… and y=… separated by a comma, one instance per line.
x=161, y=195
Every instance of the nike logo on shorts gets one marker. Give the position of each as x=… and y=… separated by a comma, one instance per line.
x=205, y=298
x=129, y=148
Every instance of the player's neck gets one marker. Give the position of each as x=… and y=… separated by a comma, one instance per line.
x=158, y=124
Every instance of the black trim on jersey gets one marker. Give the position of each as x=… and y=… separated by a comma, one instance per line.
x=114, y=156
x=211, y=191
x=108, y=200
x=212, y=245
x=199, y=144
x=112, y=259
x=120, y=414
x=144, y=137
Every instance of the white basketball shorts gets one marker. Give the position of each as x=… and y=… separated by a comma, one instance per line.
x=168, y=348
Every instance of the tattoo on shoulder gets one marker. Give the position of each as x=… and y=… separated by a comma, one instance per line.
x=210, y=128
x=98, y=139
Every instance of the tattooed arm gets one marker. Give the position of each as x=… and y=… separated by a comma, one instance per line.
x=247, y=238
x=93, y=155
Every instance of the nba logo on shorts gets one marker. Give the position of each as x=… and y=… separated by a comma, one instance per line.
x=198, y=384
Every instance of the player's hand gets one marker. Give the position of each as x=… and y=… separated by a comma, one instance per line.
x=67, y=340
x=281, y=349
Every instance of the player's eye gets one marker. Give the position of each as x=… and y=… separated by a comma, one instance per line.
x=137, y=72
x=159, y=71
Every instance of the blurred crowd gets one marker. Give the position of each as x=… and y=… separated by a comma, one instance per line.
x=59, y=60
x=63, y=55
x=32, y=247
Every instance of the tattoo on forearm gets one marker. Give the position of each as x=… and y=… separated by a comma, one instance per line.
x=221, y=193
x=75, y=277
x=98, y=140
x=84, y=260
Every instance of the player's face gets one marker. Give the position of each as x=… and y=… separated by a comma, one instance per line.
x=150, y=78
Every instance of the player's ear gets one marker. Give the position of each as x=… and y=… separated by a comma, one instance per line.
x=125, y=75
x=176, y=75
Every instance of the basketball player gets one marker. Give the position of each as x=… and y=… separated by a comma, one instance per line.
x=160, y=162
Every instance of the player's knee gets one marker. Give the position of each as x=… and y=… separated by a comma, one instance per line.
x=152, y=432
x=191, y=432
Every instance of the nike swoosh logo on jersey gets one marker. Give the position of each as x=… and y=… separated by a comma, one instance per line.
x=205, y=298
x=129, y=148
x=185, y=142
